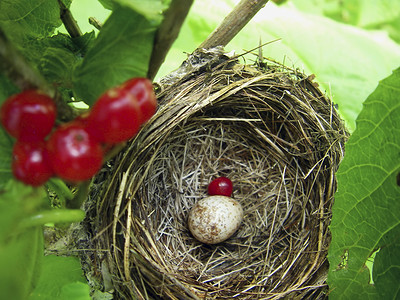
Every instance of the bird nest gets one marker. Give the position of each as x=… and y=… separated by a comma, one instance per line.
x=270, y=130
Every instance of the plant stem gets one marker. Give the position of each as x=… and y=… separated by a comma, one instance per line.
x=58, y=216
x=69, y=22
x=61, y=189
x=96, y=23
x=114, y=151
x=167, y=33
x=244, y=11
x=80, y=196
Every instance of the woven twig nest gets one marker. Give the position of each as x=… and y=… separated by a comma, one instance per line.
x=275, y=135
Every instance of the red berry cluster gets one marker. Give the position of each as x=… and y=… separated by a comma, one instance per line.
x=75, y=150
x=221, y=186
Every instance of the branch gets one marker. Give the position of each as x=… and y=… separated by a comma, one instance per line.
x=68, y=20
x=96, y=23
x=244, y=11
x=167, y=33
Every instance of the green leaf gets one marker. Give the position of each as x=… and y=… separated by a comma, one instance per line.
x=150, y=9
x=367, y=200
x=76, y=291
x=386, y=269
x=347, y=61
x=20, y=251
x=56, y=65
x=122, y=50
x=372, y=14
x=57, y=56
x=61, y=278
x=31, y=30
x=357, y=12
x=23, y=19
x=20, y=260
x=21, y=247
x=393, y=28
x=10, y=209
x=18, y=202
x=108, y=4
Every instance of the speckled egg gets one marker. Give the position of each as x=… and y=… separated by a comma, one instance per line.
x=214, y=219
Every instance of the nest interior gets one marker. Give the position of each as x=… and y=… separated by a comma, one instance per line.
x=274, y=134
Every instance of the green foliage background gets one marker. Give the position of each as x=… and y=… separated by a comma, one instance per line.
x=350, y=45
x=366, y=210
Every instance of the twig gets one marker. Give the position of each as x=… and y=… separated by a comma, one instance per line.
x=61, y=190
x=69, y=22
x=233, y=23
x=167, y=33
x=96, y=23
x=80, y=196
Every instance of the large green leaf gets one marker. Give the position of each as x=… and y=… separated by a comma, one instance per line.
x=367, y=202
x=23, y=19
x=30, y=26
x=20, y=260
x=151, y=9
x=20, y=250
x=122, y=50
x=371, y=14
x=347, y=61
x=61, y=278
x=386, y=269
x=57, y=56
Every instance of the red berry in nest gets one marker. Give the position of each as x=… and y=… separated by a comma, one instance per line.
x=142, y=90
x=115, y=117
x=28, y=116
x=73, y=153
x=220, y=186
x=30, y=163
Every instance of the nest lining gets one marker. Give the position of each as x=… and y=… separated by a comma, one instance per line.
x=276, y=136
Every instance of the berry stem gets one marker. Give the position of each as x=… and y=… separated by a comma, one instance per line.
x=114, y=151
x=61, y=189
x=95, y=23
x=57, y=216
x=80, y=196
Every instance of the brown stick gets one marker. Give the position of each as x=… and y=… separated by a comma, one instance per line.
x=233, y=23
x=69, y=22
x=167, y=33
